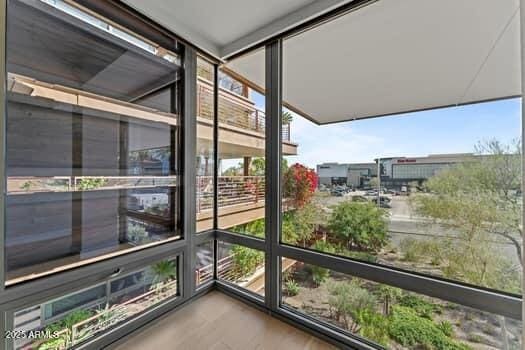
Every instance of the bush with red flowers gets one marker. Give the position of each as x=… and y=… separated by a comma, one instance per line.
x=299, y=184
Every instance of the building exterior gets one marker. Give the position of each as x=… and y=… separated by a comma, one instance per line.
x=355, y=175
x=395, y=171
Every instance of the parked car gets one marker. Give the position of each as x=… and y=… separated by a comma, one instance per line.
x=384, y=205
x=337, y=193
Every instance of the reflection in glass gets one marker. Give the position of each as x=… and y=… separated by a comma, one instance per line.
x=241, y=266
x=204, y=263
x=92, y=141
x=71, y=319
x=205, y=143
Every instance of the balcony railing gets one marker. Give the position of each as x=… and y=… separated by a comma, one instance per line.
x=234, y=110
x=233, y=190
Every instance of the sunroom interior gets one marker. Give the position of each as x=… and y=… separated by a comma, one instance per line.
x=248, y=174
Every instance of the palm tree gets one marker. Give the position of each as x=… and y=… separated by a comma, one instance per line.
x=287, y=118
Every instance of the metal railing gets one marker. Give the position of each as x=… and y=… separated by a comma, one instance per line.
x=233, y=190
x=234, y=110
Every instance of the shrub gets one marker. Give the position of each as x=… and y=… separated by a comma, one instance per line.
x=446, y=327
x=361, y=225
x=373, y=326
x=253, y=228
x=291, y=288
x=419, y=249
x=137, y=234
x=90, y=183
x=419, y=305
x=299, y=184
x=411, y=330
x=246, y=260
x=348, y=302
x=320, y=274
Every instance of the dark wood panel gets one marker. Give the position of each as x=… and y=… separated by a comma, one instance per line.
x=76, y=54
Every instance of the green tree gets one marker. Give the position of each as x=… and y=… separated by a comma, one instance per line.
x=361, y=225
x=479, y=199
x=299, y=225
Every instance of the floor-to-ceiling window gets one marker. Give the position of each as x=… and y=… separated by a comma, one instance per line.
x=93, y=171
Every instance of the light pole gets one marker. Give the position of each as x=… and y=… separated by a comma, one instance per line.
x=379, y=182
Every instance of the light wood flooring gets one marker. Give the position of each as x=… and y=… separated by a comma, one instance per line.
x=216, y=321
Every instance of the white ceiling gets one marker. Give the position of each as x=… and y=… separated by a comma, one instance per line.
x=395, y=56
x=224, y=27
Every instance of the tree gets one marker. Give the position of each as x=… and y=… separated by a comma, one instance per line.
x=299, y=184
x=257, y=166
x=299, y=225
x=389, y=295
x=287, y=117
x=361, y=225
x=480, y=200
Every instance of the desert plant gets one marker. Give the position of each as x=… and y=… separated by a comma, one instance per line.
x=164, y=271
x=347, y=302
x=291, y=287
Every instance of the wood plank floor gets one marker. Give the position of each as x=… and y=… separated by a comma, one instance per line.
x=219, y=322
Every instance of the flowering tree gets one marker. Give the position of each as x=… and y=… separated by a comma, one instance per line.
x=299, y=184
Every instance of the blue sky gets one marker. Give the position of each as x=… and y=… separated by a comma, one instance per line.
x=446, y=130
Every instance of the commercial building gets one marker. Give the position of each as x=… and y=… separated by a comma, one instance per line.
x=401, y=171
x=354, y=174
x=395, y=171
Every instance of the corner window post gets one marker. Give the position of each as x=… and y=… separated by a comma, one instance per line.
x=273, y=68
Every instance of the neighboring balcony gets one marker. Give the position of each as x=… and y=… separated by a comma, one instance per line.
x=241, y=200
x=241, y=135
x=241, y=124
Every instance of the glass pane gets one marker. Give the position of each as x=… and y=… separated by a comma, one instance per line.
x=71, y=319
x=394, y=318
x=436, y=192
x=205, y=154
x=241, y=179
x=92, y=141
x=241, y=266
x=204, y=263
